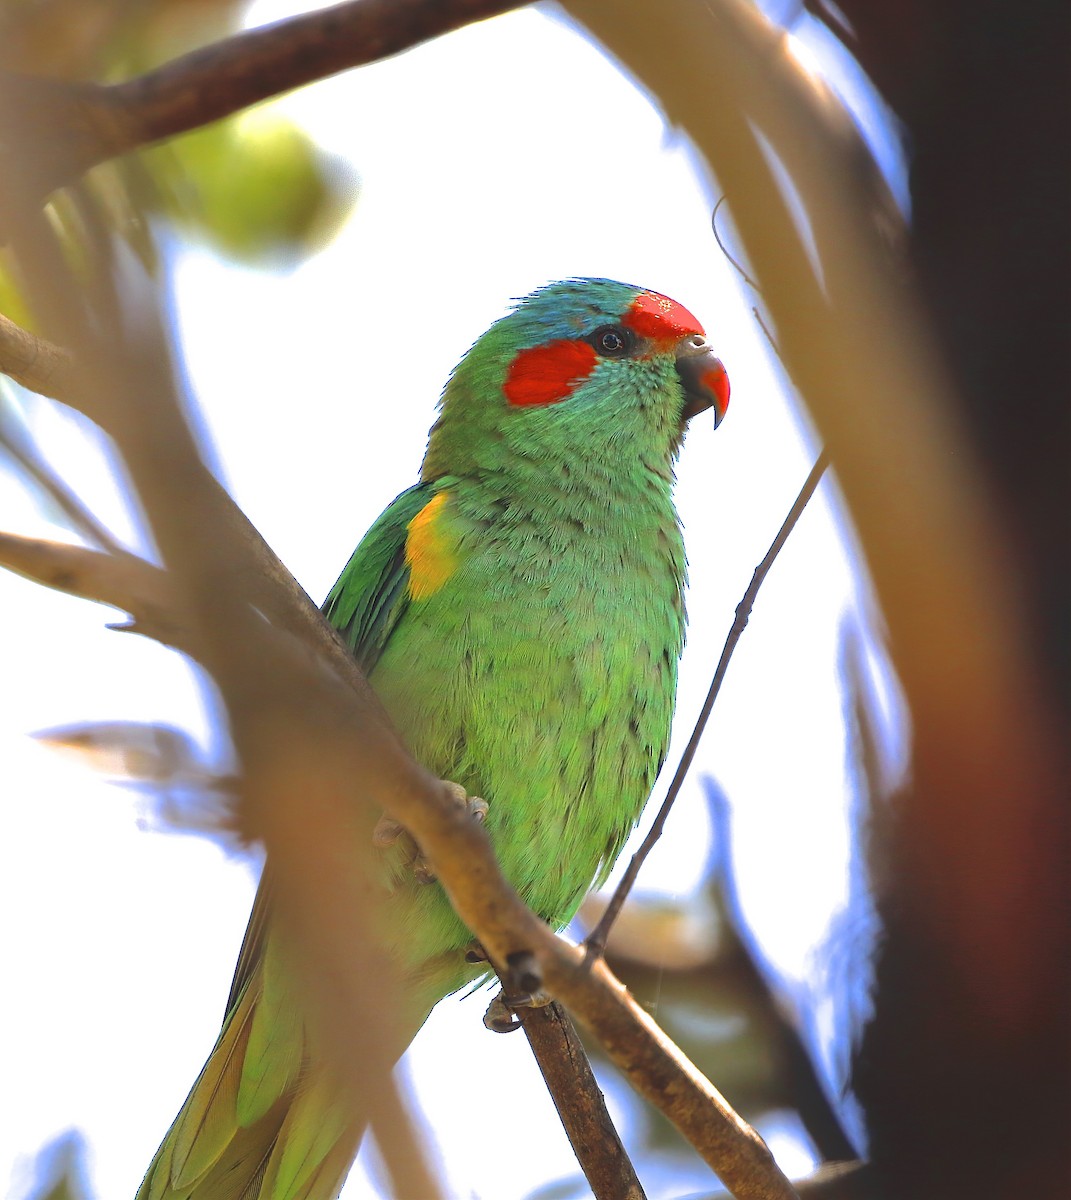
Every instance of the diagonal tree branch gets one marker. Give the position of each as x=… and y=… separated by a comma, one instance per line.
x=81, y=519
x=34, y=362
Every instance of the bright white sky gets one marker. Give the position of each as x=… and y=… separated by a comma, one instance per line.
x=481, y=179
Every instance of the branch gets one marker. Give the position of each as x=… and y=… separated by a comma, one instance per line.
x=289, y=740
x=34, y=362
x=87, y=123
x=580, y=1104
x=81, y=519
x=596, y=940
x=118, y=579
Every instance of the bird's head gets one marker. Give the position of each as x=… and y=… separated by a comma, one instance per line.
x=584, y=368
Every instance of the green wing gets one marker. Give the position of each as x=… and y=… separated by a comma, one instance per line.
x=371, y=595
x=365, y=606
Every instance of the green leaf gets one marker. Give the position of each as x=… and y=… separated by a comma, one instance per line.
x=12, y=304
x=255, y=187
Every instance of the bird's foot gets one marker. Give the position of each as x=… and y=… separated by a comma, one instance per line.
x=475, y=954
x=388, y=831
x=501, y=1015
x=522, y=987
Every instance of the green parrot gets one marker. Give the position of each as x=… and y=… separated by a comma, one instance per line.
x=520, y=614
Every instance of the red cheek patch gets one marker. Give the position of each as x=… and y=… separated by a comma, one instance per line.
x=661, y=319
x=548, y=374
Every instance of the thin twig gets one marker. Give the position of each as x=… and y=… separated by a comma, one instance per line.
x=579, y=1101
x=595, y=943
x=722, y=247
x=82, y=520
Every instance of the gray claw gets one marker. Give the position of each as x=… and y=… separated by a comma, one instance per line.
x=500, y=1017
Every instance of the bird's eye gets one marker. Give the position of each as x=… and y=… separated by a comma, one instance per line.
x=612, y=341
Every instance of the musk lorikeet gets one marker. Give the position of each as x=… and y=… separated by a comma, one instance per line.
x=520, y=614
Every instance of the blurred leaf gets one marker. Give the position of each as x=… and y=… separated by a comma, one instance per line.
x=59, y=1170
x=68, y=39
x=135, y=750
x=662, y=933
x=124, y=192
x=166, y=29
x=181, y=790
x=255, y=187
x=12, y=304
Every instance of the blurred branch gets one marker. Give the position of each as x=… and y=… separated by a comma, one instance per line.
x=33, y=362
x=595, y=942
x=832, y=1181
x=77, y=125
x=119, y=579
x=580, y=1104
x=81, y=519
x=52, y=371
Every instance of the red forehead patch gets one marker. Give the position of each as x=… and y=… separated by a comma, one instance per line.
x=548, y=374
x=657, y=317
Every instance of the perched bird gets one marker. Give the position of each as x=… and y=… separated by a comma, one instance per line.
x=520, y=614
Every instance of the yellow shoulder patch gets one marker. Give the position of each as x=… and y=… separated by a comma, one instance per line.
x=429, y=550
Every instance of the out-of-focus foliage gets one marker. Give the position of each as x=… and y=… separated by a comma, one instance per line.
x=108, y=39
x=12, y=304
x=180, y=790
x=254, y=187
x=59, y=1170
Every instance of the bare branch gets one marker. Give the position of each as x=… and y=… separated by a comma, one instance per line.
x=580, y=1104
x=81, y=519
x=119, y=579
x=596, y=940
x=34, y=362
x=88, y=123
x=831, y=1181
